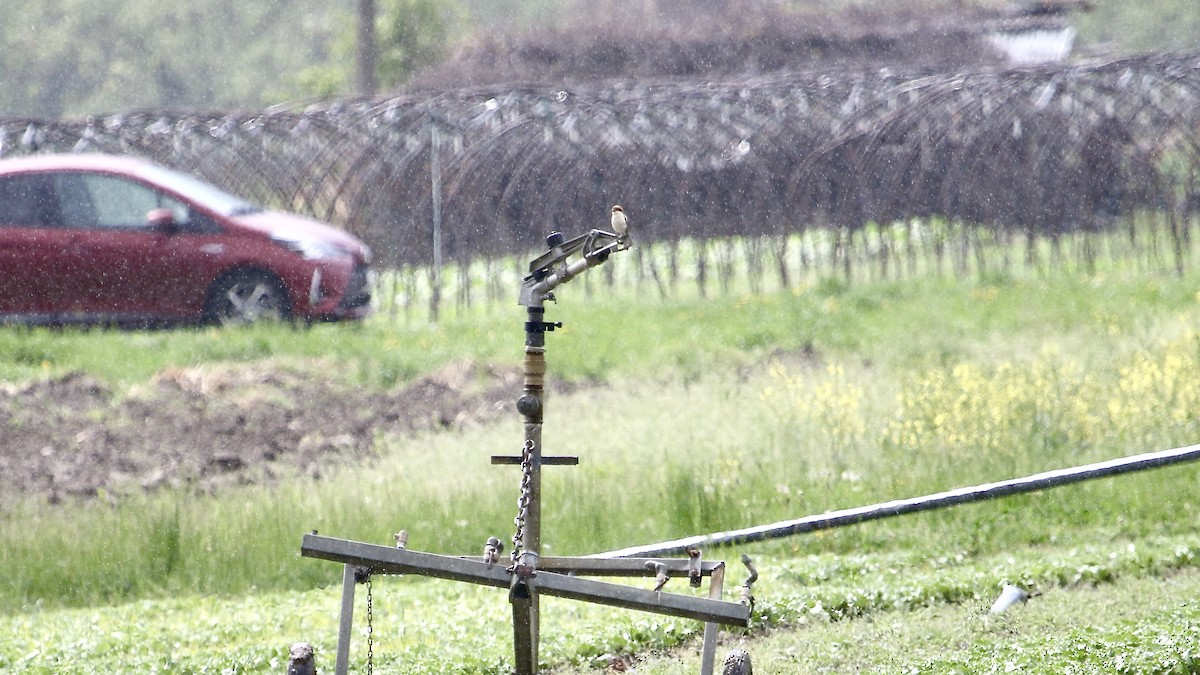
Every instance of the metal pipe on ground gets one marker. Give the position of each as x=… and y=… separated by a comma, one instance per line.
x=899, y=507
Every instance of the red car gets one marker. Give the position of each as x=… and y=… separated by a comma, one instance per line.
x=119, y=240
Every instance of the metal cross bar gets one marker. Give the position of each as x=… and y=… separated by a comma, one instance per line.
x=623, y=567
x=513, y=460
x=656, y=602
x=389, y=560
x=617, y=567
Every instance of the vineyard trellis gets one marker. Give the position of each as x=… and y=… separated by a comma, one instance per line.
x=940, y=160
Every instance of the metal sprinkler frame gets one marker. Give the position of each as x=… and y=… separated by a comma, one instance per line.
x=530, y=575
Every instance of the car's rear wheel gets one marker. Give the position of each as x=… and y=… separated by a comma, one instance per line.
x=247, y=297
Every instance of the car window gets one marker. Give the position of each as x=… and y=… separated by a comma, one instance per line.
x=27, y=201
x=199, y=192
x=88, y=200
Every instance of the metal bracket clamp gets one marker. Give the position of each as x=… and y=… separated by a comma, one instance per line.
x=523, y=573
x=695, y=567
x=492, y=550
x=661, y=576
x=542, y=326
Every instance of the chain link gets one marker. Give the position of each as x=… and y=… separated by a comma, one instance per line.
x=370, y=628
x=518, y=539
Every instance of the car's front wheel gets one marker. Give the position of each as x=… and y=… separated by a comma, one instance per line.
x=247, y=297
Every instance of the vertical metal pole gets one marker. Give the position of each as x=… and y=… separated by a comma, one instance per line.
x=524, y=635
x=708, y=656
x=525, y=597
x=435, y=189
x=534, y=392
x=343, y=648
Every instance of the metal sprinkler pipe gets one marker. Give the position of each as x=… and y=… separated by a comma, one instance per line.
x=899, y=507
x=546, y=272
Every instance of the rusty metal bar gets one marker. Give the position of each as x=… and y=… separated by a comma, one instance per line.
x=899, y=507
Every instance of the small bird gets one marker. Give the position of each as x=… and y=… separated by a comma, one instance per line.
x=620, y=222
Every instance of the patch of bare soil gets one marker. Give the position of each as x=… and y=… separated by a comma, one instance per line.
x=206, y=427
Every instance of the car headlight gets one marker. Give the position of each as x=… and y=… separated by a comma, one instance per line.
x=309, y=249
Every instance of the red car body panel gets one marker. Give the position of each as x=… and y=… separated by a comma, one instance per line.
x=64, y=256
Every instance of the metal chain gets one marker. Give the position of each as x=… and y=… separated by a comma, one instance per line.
x=370, y=628
x=518, y=539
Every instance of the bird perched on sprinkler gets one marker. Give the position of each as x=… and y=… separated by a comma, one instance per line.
x=620, y=223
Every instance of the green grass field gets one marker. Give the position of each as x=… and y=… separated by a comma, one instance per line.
x=693, y=416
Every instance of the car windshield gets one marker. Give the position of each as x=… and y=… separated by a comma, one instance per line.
x=201, y=193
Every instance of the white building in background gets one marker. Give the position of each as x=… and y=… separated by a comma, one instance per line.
x=1038, y=45
x=1037, y=31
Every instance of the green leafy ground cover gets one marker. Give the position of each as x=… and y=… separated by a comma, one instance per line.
x=1101, y=605
x=697, y=416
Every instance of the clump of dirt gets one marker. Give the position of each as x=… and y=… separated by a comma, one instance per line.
x=206, y=427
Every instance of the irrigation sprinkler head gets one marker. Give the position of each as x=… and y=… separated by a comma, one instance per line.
x=551, y=269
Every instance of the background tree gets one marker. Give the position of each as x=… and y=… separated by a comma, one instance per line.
x=406, y=35
x=414, y=34
x=76, y=57
x=60, y=57
x=366, y=51
x=1148, y=26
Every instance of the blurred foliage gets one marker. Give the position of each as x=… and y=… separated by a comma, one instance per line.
x=73, y=56
x=413, y=34
x=409, y=35
x=1151, y=26
x=67, y=57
